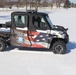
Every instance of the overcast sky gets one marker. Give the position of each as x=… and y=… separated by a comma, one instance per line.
x=74, y=1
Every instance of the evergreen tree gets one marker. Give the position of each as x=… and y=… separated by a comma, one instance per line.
x=67, y=4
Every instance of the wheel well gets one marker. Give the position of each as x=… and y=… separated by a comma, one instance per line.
x=56, y=39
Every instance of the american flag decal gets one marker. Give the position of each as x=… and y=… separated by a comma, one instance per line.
x=42, y=37
x=39, y=40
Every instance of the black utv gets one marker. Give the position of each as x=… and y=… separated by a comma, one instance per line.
x=33, y=29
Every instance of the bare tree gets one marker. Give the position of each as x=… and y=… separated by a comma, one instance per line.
x=58, y=2
x=2, y=3
x=18, y=2
x=37, y=2
x=32, y=3
x=67, y=4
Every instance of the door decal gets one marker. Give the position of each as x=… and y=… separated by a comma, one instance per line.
x=39, y=40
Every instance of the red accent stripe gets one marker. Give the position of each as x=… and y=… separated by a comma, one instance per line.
x=33, y=45
x=25, y=45
x=37, y=46
x=33, y=33
x=30, y=38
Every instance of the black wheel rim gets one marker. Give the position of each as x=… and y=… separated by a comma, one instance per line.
x=1, y=46
x=58, y=48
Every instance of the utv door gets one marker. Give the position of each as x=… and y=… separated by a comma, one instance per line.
x=19, y=30
x=39, y=32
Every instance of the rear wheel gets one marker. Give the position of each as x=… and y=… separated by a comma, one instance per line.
x=59, y=47
x=2, y=46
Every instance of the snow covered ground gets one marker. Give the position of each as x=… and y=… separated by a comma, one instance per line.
x=16, y=61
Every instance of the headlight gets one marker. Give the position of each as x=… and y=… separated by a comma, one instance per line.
x=61, y=33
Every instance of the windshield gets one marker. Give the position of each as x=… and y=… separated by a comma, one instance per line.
x=49, y=22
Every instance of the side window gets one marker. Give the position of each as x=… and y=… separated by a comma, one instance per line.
x=20, y=21
x=39, y=23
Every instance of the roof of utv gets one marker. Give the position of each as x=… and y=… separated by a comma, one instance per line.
x=30, y=12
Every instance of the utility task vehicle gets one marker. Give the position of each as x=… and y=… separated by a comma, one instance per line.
x=33, y=29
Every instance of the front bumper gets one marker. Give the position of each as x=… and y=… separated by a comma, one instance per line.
x=66, y=38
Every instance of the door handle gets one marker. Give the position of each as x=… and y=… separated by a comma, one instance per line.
x=31, y=35
x=13, y=34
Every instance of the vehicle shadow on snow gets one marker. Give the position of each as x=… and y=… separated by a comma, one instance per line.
x=28, y=49
x=70, y=46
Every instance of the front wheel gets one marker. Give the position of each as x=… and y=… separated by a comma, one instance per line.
x=2, y=46
x=59, y=47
